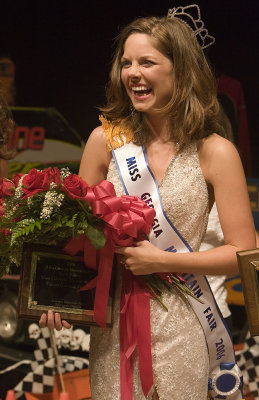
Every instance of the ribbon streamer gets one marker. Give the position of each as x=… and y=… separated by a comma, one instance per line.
x=134, y=325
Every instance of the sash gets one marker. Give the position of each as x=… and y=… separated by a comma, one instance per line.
x=225, y=380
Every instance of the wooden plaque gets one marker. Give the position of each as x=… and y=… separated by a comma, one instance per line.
x=51, y=279
x=248, y=262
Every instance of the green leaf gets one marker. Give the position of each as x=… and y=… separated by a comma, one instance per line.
x=70, y=224
x=96, y=236
x=23, y=228
x=38, y=224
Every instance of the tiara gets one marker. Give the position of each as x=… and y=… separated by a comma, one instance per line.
x=191, y=16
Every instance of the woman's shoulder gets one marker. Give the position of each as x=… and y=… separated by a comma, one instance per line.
x=217, y=155
x=98, y=133
x=215, y=145
x=109, y=135
x=98, y=139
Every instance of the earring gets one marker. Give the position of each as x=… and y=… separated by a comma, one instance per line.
x=132, y=109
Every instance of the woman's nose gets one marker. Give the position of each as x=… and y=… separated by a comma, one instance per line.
x=134, y=70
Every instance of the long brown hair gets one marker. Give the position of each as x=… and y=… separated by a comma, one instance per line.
x=193, y=106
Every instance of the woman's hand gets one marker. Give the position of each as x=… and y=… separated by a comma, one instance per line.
x=143, y=259
x=53, y=320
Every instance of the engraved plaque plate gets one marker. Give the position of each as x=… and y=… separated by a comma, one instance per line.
x=51, y=279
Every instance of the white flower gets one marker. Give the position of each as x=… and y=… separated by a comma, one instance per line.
x=18, y=191
x=29, y=201
x=52, y=185
x=51, y=199
x=64, y=172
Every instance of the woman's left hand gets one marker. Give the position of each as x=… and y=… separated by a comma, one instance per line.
x=143, y=259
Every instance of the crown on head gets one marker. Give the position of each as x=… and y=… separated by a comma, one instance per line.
x=191, y=16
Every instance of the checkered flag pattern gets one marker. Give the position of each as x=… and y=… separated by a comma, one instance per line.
x=38, y=381
x=248, y=362
x=41, y=378
x=44, y=351
x=70, y=364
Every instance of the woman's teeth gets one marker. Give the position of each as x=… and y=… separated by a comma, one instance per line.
x=141, y=90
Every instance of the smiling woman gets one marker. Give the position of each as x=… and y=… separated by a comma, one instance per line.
x=159, y=141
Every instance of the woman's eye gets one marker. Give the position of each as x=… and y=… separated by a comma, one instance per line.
x=147, y=63
x=125, y=64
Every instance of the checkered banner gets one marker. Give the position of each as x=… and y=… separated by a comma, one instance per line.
x=41, y=378
x=248, y=362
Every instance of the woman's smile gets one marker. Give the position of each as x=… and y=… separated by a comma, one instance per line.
x=141, y=92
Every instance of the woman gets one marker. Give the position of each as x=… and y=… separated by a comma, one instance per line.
x=6, y=126
x=162, y=95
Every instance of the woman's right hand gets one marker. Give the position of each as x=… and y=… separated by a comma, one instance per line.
x=53, y=320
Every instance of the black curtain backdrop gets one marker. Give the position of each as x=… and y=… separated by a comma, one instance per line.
x=62, y=51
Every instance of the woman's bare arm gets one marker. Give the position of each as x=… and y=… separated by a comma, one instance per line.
x=96, y=158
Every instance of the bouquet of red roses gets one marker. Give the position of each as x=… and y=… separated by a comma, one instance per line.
x=58, y=208
x=53, y=206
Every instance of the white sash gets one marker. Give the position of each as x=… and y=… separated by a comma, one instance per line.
x=137, y=179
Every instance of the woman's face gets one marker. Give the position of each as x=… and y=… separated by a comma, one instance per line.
x=146, y=74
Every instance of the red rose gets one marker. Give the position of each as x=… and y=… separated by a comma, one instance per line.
x=16, y=178
x=6, y=232
x=54, y=175
x=36, y=181
x=75, y=187
x=6, y=187
x=3, y=233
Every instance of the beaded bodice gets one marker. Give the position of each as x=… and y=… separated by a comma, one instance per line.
x=184, y=194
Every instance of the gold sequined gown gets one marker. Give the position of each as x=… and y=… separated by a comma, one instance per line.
x=179, y=352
